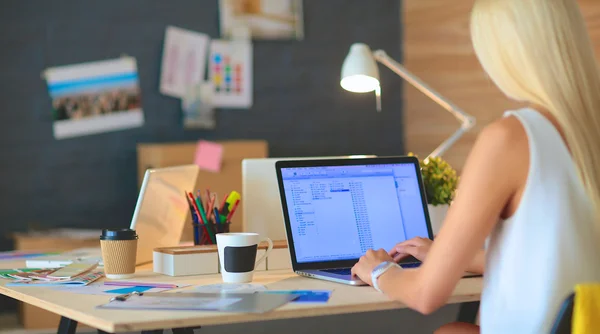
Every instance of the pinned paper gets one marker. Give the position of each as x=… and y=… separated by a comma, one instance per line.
x=183, y=61
x=230, y=72
x=198, y=111
x=95, y=97
x=209, y=156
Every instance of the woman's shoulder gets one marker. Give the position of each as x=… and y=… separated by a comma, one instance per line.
x=505, y=132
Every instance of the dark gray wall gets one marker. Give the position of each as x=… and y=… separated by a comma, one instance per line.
x=90, y=181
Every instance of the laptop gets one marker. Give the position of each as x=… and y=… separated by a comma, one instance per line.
x=336, y=210
x=162, y=209
x=261, y=211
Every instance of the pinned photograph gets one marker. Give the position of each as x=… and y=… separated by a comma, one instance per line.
x=95, y=97
x=266, y=19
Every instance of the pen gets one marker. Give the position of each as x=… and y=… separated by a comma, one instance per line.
x=195, y=220
x=232, y=211
x=218, y=225
x=222, y=209
x=203, y=215
x=217, y=216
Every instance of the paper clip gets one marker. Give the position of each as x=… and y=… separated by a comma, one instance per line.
x=124, y=297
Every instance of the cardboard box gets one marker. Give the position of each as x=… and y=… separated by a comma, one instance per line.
x=201, y=260
x=229, y=178
x=184, y=261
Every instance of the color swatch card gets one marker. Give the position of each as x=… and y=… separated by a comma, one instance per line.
x=183, y=61
x=230, y=72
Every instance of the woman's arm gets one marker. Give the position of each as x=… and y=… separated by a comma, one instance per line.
x=477, y=266
x=496, y=168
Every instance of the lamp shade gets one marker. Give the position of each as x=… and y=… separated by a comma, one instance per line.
x=359, y=70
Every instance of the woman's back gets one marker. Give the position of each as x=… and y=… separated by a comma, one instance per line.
x=535, y=258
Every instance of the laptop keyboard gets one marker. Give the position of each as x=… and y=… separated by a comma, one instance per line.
x=348, y=271
x=339, y=271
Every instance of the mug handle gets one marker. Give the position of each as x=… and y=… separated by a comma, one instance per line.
x=269, y=249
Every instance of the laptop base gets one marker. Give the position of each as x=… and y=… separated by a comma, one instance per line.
x=337, y=278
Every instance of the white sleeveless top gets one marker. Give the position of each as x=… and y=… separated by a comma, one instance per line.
x=535, y=258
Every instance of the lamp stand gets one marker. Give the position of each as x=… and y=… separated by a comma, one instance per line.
x=467, y=121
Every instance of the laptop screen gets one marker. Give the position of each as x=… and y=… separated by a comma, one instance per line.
x=339, y=212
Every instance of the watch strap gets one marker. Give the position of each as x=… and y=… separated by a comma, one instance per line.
x=380, y=270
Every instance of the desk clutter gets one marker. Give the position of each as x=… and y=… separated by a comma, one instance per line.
x=209, y=219
x=51, y=277
x=204, y=259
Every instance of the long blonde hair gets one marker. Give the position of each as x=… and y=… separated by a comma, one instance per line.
x=539, y=51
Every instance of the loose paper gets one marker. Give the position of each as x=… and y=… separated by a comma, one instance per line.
x=209, y=156
x=230, y=72
x=101, y=289
x=198, y=111
x=228, y=288
x=95, y=97
x=183, y=61
x=306, y=296
x=167, y=302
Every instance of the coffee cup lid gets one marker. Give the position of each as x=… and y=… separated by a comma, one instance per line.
x=118, y=234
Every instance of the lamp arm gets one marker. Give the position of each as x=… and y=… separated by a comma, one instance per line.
x=467, y=120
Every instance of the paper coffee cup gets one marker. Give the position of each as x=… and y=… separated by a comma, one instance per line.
x=119, y=247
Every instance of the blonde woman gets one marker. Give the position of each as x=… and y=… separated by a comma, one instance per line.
x=531, y=185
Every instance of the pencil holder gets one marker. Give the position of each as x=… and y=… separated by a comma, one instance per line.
x=213, y=229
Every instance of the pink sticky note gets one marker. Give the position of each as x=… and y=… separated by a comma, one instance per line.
x=209, y=156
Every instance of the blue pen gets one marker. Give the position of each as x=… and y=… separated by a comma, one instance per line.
x=217, y=220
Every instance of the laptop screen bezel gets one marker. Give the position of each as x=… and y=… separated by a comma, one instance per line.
x=279, y=165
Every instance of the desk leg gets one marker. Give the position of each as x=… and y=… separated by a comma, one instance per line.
x=183, y=331
x=468, y=312
x=67, y=326
x=155, y=331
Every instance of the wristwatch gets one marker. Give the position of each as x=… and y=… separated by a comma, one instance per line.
x=380, y=270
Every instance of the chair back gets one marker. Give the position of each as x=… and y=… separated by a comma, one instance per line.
x=562, y=323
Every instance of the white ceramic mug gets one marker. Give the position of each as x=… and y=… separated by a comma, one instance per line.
x=237, y=255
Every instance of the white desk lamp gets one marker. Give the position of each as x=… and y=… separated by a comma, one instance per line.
x=361, y=75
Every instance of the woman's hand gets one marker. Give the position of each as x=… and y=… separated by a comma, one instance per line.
x=368, y=262
x=417, y=247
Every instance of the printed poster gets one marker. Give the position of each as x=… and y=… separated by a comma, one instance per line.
x=95, y=97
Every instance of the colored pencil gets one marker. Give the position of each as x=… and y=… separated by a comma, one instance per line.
x=206, y=222
x=194, y=219
x=198, y=212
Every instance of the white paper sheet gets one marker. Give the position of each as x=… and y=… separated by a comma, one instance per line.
x=183, y=61
x=230, y=72
x=99, y=289
x=173, y=303
x=227, y=288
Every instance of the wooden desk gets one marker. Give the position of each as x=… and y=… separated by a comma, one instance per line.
x=344, y=299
